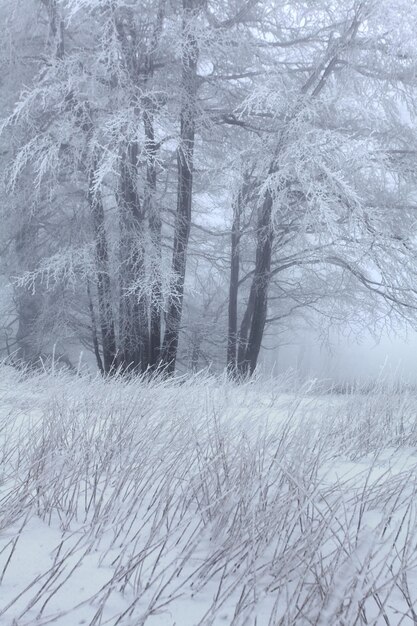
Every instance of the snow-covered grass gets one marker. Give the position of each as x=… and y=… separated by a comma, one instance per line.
x=201, y=502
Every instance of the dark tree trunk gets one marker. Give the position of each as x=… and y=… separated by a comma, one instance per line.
x=255, y=315
x=155, y=226
x=28, y=310
x=94, y=333
x=140, y=313
x=185, y=187
x=106, y=362
x=195, y=352
x=151, y=208
x=28, y=302
x=242, y=365
x=56, y=26
x=256, y=311
x=134, y=331
x=106, y=317
x=234, y=289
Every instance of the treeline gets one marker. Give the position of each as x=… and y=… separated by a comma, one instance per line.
x=181, y=175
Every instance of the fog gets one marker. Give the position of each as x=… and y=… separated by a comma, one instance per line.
x=391, y=357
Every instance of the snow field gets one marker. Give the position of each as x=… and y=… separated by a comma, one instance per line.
x=205, y=503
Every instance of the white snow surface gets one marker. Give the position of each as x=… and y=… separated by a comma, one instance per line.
x=203, y=502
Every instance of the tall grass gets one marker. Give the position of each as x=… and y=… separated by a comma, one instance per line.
x=203, y=502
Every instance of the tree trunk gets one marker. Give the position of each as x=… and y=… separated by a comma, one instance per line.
x=155, y=227
x=134, y=337
x=234, y=288
x=185, y=155
x=28, y=303
x=242, y=365
x=258, y=300
x=56, y=27
x=106, y=317
x=94, y=333
x=151, y=209
x=140, y=311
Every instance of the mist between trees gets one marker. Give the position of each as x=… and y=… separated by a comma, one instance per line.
x=182, y=178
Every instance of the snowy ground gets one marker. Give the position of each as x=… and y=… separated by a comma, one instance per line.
x=205, y=504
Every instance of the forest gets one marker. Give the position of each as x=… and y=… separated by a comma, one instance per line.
x=188, y=182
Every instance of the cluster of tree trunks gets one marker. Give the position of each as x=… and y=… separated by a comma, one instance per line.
x=135, y=326
x=143, y=334
x=141, y=347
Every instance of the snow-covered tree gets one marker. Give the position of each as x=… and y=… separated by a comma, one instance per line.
x=152, y=132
